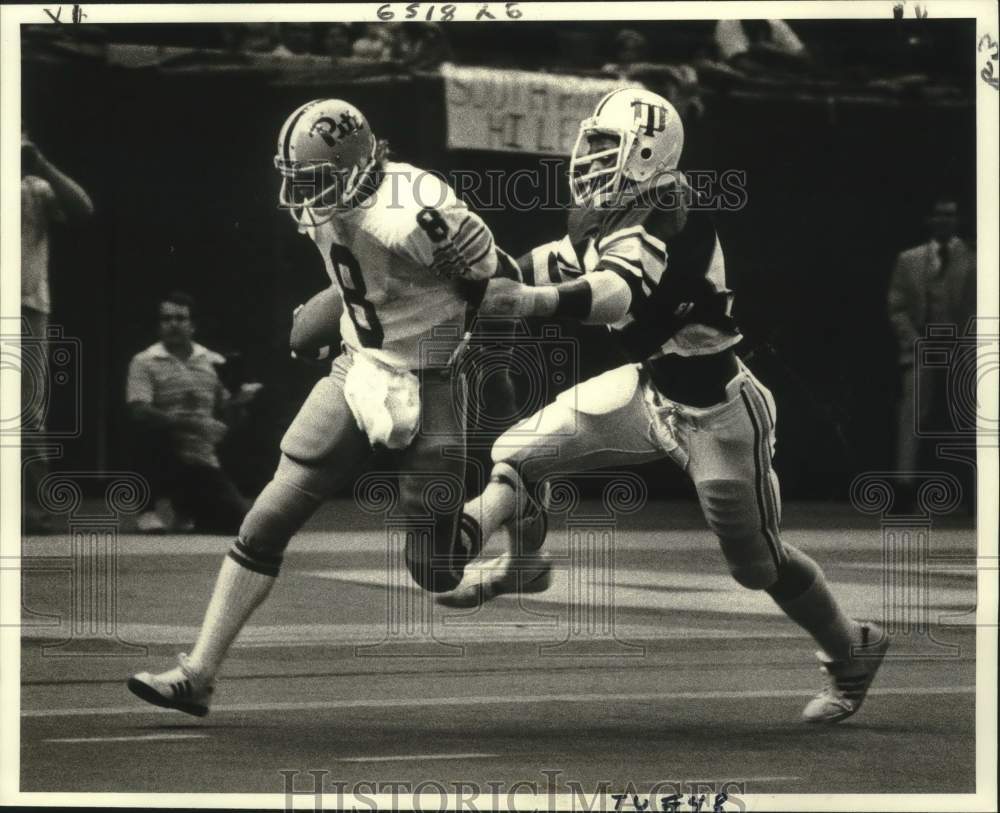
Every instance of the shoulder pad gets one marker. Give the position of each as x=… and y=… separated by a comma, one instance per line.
x=661, y=209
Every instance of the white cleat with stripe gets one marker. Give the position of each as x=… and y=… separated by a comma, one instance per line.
x=178, y=688
x=495, y=577
x=849, y=679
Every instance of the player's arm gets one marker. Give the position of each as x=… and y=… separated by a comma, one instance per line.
x=315, y=325
x=549, y=264
x=601, y=297
x=451, y=241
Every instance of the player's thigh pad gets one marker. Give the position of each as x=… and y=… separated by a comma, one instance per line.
x=322, y=450
x=730, y=464
x=601, y=422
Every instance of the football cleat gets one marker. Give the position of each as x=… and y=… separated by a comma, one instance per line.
x=178, y=688
x=494, y=577
x=849, y=679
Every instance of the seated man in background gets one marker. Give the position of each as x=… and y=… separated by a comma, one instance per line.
x=181, y=410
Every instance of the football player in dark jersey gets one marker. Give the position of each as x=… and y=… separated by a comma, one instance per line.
x=641, y=259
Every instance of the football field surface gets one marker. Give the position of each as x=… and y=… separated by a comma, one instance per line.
x=643, y=665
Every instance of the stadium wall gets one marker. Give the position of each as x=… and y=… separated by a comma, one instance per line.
x=179, y=167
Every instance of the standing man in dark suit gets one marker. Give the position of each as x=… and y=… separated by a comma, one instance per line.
x=932, y=284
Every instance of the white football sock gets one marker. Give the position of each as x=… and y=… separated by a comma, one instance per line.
x=491, y=509
x=238, y=592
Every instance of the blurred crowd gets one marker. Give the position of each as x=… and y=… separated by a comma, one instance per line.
x=416, y=44
x=893, y=57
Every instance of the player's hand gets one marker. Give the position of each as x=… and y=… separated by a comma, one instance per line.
x=503, y=298
x=507, y=297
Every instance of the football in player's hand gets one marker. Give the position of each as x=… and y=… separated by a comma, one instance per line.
x=315, y=324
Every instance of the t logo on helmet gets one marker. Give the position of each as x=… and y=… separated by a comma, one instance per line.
x=654, y=115
x=330, y=130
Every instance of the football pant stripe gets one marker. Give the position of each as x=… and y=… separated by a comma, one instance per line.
x=764, y=417
x=759, y=469
x=767, y=420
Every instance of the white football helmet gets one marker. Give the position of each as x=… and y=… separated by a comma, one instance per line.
x=633, y=136
x=325, y=150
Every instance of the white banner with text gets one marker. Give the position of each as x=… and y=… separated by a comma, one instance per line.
x=518, y=111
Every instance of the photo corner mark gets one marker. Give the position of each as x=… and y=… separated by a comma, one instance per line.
x=77, y=15
x=990, y=47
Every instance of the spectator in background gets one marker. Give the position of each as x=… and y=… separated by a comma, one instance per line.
x=630, y=47
x=932, y=284
x=181, y=409
x=759, y=44
x=678, y=84
x=377, y=43
x=424, y=46
x=255, y=38
x=294, y=39
x=335, y=40
x=47, y=196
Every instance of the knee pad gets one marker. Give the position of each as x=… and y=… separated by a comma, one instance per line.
x=731, y=511
x=532, y=446
x=276, y=515
x=796, y=575
x=760, y=575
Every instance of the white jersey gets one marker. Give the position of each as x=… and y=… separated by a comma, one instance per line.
x=400, y=259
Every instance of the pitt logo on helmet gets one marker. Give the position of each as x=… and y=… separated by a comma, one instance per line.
x=330, y=131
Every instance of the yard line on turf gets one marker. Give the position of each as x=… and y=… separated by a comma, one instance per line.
x=497, y=700
x=372, y=540
x=416, y=757
x=133, y=738
x=484, y=632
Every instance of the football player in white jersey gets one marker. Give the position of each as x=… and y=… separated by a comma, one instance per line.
x=407, y=261
x=642, y=259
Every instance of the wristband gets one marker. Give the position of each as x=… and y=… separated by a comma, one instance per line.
x=575, y=300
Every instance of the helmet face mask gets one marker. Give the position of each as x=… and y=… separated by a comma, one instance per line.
x=325, y=150
x=597, y=162
x=633, y=135
x=306, y=184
